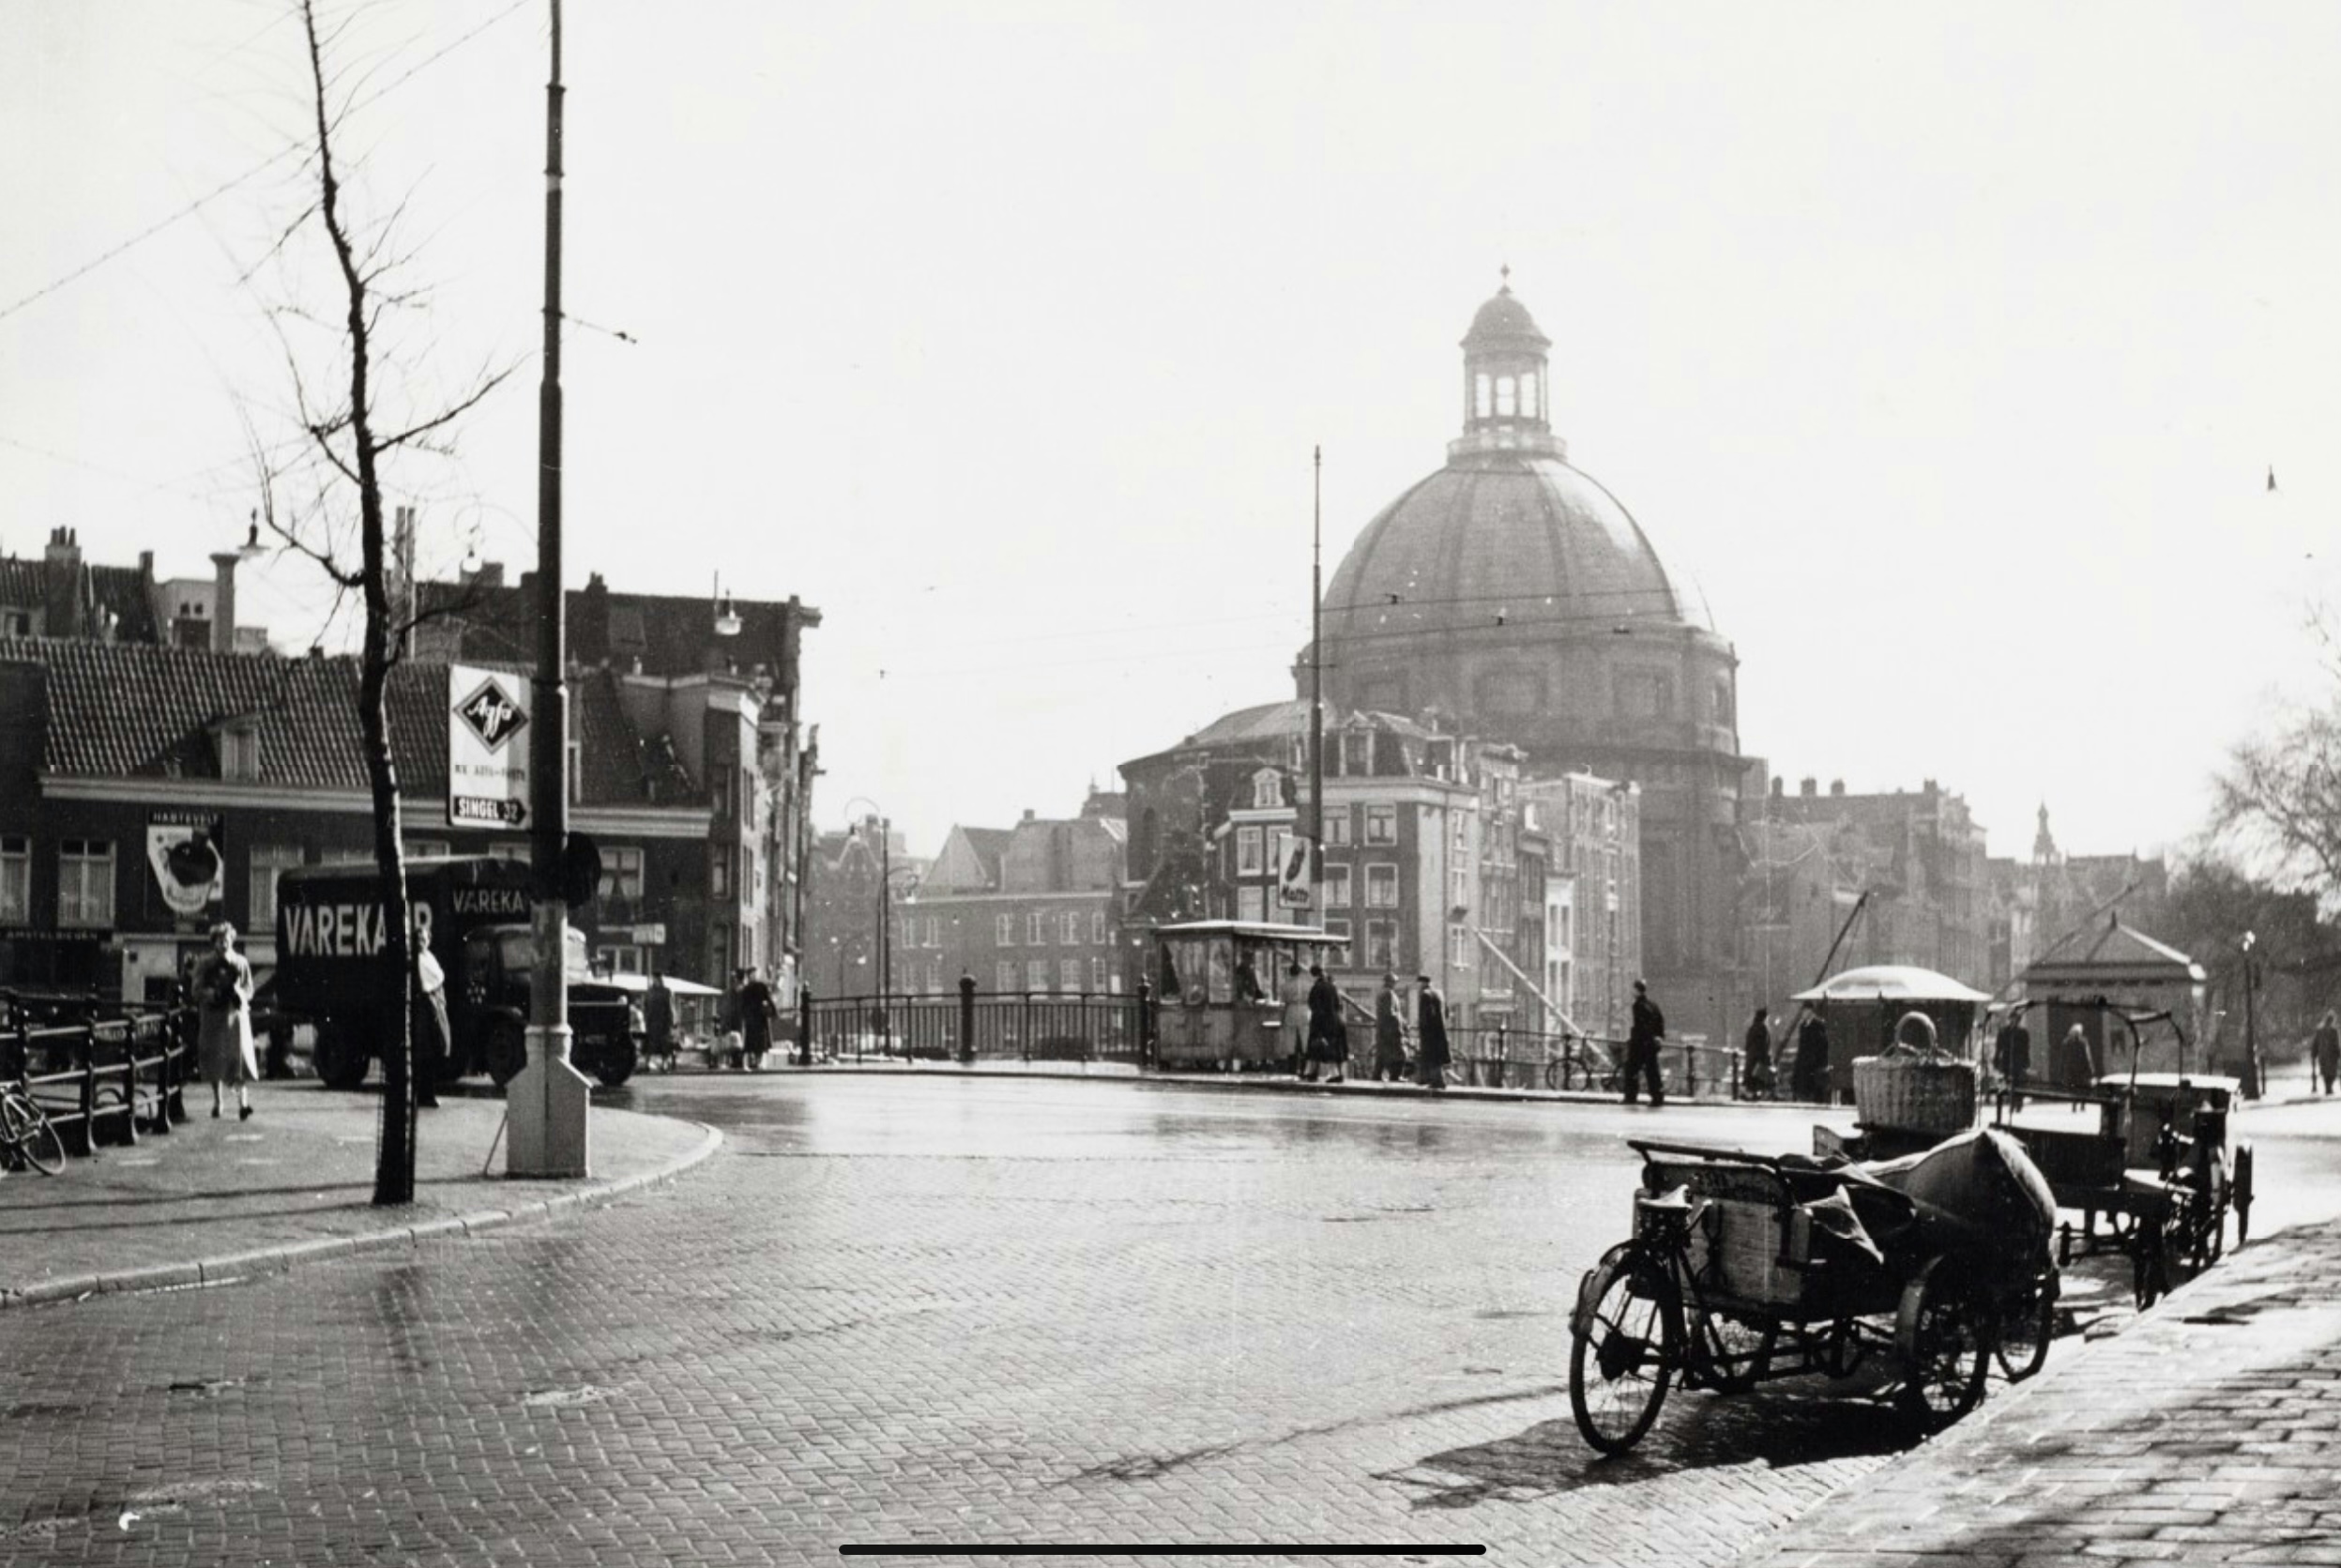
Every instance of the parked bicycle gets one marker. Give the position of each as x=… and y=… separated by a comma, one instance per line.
x=26, y=1138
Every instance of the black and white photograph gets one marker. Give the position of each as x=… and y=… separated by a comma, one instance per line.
x=1302, y=783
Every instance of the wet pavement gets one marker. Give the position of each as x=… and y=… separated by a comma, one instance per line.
x=942, y=1309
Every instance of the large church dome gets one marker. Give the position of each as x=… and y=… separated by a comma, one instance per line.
x=1515, y=595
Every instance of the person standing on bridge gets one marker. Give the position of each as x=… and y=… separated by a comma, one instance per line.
x=1390, y=1034
x=2324, y=1050
x=1756, y=1065
x=1292, y=1029
x=1430, y=1028
x=1809, y=1077
x=2012, y=1053
x=1642, y=1040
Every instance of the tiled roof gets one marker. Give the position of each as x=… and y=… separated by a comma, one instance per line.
x=129, y=710
x=120, y=590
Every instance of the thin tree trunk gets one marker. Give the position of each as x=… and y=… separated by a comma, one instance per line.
x=394, y=1166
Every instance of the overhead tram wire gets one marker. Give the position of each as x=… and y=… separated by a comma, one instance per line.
x=250, y=175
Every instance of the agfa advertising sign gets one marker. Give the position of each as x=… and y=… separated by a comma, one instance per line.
x=487, y=758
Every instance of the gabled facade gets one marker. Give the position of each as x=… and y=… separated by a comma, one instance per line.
x=1034, y=909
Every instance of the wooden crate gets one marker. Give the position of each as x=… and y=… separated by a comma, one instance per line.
x=1737, y=1253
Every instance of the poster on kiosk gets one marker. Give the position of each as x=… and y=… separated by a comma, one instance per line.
x=487, y=753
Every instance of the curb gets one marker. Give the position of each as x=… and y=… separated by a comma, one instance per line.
x=292, y=1255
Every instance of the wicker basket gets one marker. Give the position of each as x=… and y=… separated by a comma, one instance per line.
x=1913, y=1093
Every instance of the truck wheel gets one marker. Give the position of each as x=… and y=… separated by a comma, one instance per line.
x=341, y=1057
x=507, y=1050
x=619, y=1058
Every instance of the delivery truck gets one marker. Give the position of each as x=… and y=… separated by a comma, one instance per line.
x=472, y=911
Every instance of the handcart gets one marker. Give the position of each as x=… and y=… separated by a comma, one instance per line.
x=2158, y=1163
x=1744, y=1268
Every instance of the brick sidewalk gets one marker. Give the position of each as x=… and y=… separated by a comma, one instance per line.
x=297, y=1180
x=2210, y=1431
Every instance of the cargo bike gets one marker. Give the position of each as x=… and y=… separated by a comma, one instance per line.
x=1744, y=1268
x=2158, y=1165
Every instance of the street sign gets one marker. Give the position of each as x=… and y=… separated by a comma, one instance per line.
x=487, y=767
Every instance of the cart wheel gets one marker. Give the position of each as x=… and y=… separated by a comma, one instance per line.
x=1944, y=1332
x=1623, y=1352
x=2027, y=1322
x=1733, y=1354
x=2240, y=1194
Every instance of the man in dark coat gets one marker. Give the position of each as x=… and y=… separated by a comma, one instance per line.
x=2012, y=1054
x=756, y=1014
x=1648, y=1028
x=1809, y=1079
x=657, y=1022
x=1430, y=1028
x=1757, y=1064
x=1390, y=1034
x=1329, y=1037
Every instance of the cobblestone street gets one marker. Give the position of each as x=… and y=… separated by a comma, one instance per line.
x=896, y=1310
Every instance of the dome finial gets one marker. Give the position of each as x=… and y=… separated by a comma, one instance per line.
x=1505, y=272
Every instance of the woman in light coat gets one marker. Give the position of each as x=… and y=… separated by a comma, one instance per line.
x=224, y=1018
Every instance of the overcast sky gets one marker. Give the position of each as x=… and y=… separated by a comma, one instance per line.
x=1949, y=349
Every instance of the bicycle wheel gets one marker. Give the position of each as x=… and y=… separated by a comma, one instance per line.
x=28, y=1132
x=2027, y=1322
x=1621, y=1354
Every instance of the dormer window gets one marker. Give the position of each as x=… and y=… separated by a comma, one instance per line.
x=1266, y=790
x=239, y=752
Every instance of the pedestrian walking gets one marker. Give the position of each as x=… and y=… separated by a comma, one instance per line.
x=756, y=1016
x=657, y=1022
x=2324, y=1050
x=2012, y=1054
x=427, y=1028
x=1430, y=1029
x=1642, y=1040
x=224, y=1022
x=1390, y=1034
x=2076, y=1063
x=1757, y=1058
x=1809, y=1075
x=1292, y=1030
x=1329, y=1034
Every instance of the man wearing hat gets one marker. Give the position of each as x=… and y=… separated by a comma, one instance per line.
x=1649, y=1027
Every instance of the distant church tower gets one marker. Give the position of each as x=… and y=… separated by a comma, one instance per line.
x=1519, y=598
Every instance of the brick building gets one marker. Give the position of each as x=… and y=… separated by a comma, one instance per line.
x=1437, y=858
x=1032, y=909
x=113, y=756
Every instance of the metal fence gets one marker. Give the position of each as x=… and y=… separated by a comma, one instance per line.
x=102, y=1071
x=1498, y=1056
x=978, y=1026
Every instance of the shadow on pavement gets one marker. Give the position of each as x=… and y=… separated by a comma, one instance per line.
x=1776, y=1427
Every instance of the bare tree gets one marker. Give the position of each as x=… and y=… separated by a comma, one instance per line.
x=2279, y=799
x=307, y=500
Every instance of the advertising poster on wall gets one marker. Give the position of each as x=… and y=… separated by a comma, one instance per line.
x=487, y=759
x=188, y=859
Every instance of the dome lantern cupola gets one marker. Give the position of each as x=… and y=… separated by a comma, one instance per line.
x=1504, y=384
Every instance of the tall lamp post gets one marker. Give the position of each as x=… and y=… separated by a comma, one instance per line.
x=547, y=1099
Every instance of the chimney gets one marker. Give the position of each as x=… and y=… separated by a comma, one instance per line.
x=1836, y=787
x=147, y=565
x=1780, y=787
x=1029, y=813
x=61, y=585
x=223, y=600
x=1808, y=786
